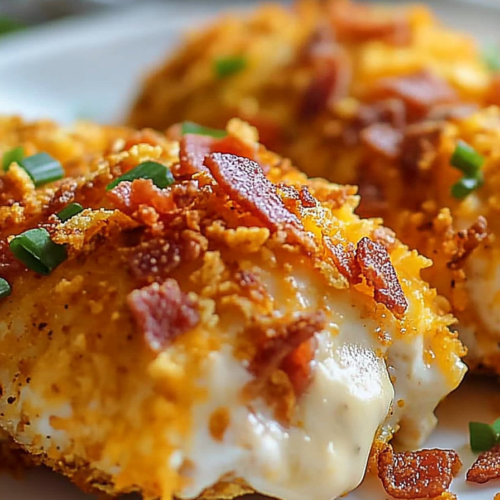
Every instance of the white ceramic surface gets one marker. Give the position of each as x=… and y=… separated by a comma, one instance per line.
x=89, y=68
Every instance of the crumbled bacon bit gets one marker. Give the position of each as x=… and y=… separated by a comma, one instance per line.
x=377, y=269
x=331, y=75
x=345, y=260
x=195, y=148
x=486, y=467
x=244, y=182
x=382, y=139
x=163, y=312
x=420, y=140
x=9, y=265
x=360, y=23
x=467, y=241
x=154, y=260
x=389, y=111
x=279, y=343
x=306, y=198
x=417, y=474
x=297, y=365
x=420, y=91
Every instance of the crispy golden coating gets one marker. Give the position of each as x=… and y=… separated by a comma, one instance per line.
x=316, y=75
x=379, y=98
x=100, y=360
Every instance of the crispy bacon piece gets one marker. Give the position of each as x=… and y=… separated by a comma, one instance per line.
x=163, y=312
x=420, y=91
x=467, y=241
x=361, y=23
x=486, y=467
x=376, y=267
x=345, y=260
x=129, y=196
x=383, y=139
x=195, y=148
x=244, y=182
x=281, y=346
x=417, y=474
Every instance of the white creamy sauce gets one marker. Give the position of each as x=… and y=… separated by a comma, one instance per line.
x=324, y=458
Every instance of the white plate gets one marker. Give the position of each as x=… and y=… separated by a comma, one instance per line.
x=89, y=68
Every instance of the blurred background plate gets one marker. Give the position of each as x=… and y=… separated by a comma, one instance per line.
x=89, y=67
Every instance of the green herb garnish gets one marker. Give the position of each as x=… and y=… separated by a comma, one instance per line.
x=5, y=289
x=8, y=25
x=70, y=211
x=42, y=168
x=14, y=155
x=483, y=437
x=491, y=57
x=465, y=186
x=158, y=173
x=466, y=159
x=194, y=128
x=229, y=66
x=37, y=251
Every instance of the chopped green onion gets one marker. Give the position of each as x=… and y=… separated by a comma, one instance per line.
x=194, y=128
x=5, y=289
x=14, y=155
x=37, y=251
x=158, y=173
x=70, y=211
x=42, y=168
x=8, y=25
x=491, y=57
x=465, y=186
x=228, y=66
x=496, y=427
x=466, y=159
x=482, y=437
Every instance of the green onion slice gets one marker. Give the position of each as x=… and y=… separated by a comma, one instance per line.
x=158, y=173
x=37, y=251
x=465, y=186
x=228, y=66
x=70, y=211
x=491, y=57
x=5, y=289
x=42, y=168
x=467, y=159
x=8, y=25
x=14, y=155
x=482, y=437
x=194, y=128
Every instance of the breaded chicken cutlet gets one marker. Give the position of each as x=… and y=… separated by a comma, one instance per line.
x=376, y=96
x=192, y=316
